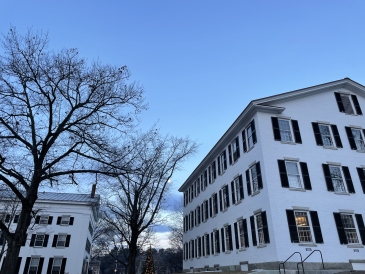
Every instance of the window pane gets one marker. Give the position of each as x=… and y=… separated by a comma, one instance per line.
x=326, y=135
x=304, y=231
x=285, y=132
x=337, y=181
x=356, y=133
x=350, y=230
x=347, y=104
x=255, y=186
x=293, y=174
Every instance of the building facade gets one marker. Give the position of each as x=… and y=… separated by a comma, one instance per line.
x=287, y=176
x=59, y=239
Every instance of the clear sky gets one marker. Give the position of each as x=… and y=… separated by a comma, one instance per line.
x=202, y=61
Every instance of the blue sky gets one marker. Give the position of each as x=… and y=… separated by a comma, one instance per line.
x=201, y=62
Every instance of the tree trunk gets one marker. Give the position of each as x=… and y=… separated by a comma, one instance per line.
x=14, y=242
x=133, y=251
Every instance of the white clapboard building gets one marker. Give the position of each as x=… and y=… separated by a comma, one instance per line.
x=287, y=176
x=59, y=239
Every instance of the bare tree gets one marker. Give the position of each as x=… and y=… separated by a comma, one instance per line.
x=58, y=117
x=136, y=197
x=176, y=225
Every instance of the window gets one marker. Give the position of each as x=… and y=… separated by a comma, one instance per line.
x=326, y=135
x=241, y=235
x=215, y=243
x=91, y=230
x=197, y=188
x=88, y=246
x=191, y=193
x=334, y=178
x=191, y=217
x=259, y=229
x=253, y=179
x=291, y=174
x=186, y=195
x=284, y=130
x=197, y=216
x=58, y=265
x=191, y=249
x=186, y=223
x=33, y=264
x=349, y=230
x=205, y=179
x=186, y=251
x=347, y=103
x=39, y=240
x=198, y=247
x=65, y=220
x=237, y=189
x=228, y=237
x=205, y=211
x=234, y=151
x=61, y=240
x=222, y=163
x=356, y=139
x=212, y=173
x=302, y=226
x=249, y=136
x=224, y=198
x=43, y=219
x=215, y=204
x=361, y=172
x=206, y=246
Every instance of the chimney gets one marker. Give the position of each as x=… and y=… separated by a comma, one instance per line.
x=93, y=191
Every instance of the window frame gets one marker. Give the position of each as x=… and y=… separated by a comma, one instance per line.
x=58, y=245
x=38, y=242
x=54, y=265
x=222, y=162
x=234, y=151
x=359, y=227
x=354, y=144
x=346, y=179
x=352, y=99
x=237, y=189
x=293, y=128
x=32, y=259
x=228, y=238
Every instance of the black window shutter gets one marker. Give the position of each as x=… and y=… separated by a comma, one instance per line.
x=253, y=231
x=59, y=220
x=316, y=227
x=350, y=185
x=192, y=219
x=218, y=245
x=317, y=134
x=238, y=148
x=50, y=219
x=63, y=265
x=37, y=218
x=214, y=170
x=40, y=265
x=210, y=207
x=26, y=267
x=32, y=240
x=54, y=242
x=336, y=136
x=212, y=242
x=248, y=182
x=45, y=242
x=49, y=268
x=192, y=247
x=259, y=177
x=339, y=102
x=275, y=128
x=361, y=227
x=244, y=143
x=236, y=236
x=230, y=154
x=2, y=239
x=356, y=104
x=305, y=174
x=227, y=195
x=233, y=195
x=219, y=165
x=230, y=237
x=71, y=221
x=225, y=160
x=220, y=200
x=18, y=262
x=203, y=245
x=265, y=227
x=296, y=131
x=16, y=219
x=351, y=138
x=293, y=232
x=245, y=233
x=254, y=139
x=68, y=239
x=283, y=174
x=241, y=186
x=327, y=176
x=340, y=228
x=361, y=173
x=206, y=212
x=222, y=237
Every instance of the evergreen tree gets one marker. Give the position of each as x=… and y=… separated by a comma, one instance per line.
x=149, y=266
